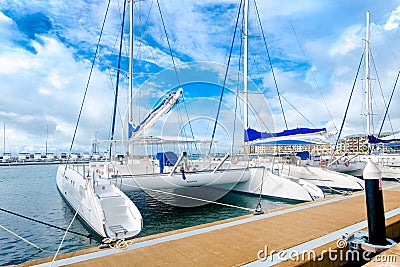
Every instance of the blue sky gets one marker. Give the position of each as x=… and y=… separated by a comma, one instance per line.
x=46, y=48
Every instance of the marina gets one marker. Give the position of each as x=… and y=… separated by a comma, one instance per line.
x=168, y=159
x=312, y=229
x=47, y=205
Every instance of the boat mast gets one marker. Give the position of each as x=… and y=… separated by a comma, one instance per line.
x=47, y=135
x=130, y=72
x=245, y=64
x=4, y=138
x=130, y=75
x=367, y=78
x=117, y=80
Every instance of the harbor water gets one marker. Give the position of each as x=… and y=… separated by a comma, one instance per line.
x=30, y=190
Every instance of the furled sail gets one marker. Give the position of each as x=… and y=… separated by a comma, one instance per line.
x=254, y=135
x=163, y=108
x=375, y=140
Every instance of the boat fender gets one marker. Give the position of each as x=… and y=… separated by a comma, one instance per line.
x=346, y=162
x=110, y=167
x=323, y=163
x=234, y=160
x=186, y=164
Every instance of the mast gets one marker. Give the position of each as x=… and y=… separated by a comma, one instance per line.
x=130, y=72
x=130, y=76
x=4, y=138
x=245, y=63
x=367, y=78
x=117, y=80
x=47, y=135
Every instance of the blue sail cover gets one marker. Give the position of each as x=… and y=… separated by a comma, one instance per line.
x=375, y=140
x=132, y=129
x=251, y=134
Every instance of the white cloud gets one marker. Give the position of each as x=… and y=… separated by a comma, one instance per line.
x=54, y=78
x=393, y=21
x=348, y=41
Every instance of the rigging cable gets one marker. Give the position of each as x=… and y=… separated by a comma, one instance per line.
x=348, y=104
x=380, y=87
x=69, y=226
x=225, y=77
x=117, y=79
x=47, y=224
x=175, y=68
x=313, y=75
x=20, y=237
x=188, y=197
x=169, y=45
x=90, y=75
x=298, y=111
x=237, y=93
x=270, y=63
x=79, y=116
x=388, y=105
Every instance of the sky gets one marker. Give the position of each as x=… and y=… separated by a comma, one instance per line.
x=315, y=46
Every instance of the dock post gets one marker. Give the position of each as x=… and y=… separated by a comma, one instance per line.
x=374, y=200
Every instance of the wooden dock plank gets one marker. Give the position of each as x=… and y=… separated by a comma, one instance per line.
x=239, y=244
x=388, y=258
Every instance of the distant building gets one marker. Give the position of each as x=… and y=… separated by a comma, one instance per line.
x=351, y=144
x=274, y=149
x=354, y=144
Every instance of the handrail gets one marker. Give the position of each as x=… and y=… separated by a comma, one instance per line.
x=222, y=162
x=177, y=163
x=350, y=158
x=336, y=160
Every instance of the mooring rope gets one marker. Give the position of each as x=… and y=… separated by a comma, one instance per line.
x=67, y=230
x=183, y=196
x=47, y=224
x=20, y=237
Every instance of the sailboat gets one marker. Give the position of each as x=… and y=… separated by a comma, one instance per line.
x=96, y=190
x=168, y=170
x=389, y=164
x=264, y=181
x=352, y=165
x=280, y=174
x=6, y=158
x=104, y=208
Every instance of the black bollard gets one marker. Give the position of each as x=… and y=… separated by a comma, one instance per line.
x=375, y=212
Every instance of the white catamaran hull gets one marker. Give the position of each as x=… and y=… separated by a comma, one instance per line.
x=179, y=179
x=235, y=177
x=264, y=182
x=389, y=165
x=354, y=168
x=321, y=177
x=103, y=207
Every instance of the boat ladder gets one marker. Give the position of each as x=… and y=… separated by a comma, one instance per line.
x=118, y=229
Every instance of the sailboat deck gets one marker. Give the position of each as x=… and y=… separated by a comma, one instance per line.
x=239, y=241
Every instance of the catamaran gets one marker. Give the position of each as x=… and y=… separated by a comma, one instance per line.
x=96, y=190
x=280, y=172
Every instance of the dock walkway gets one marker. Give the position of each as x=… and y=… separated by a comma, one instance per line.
x=248, y=240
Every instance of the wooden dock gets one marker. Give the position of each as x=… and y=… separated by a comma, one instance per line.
x=388, y=258
x=250, y=240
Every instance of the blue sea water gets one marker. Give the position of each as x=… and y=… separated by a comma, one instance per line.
x=31, y=191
